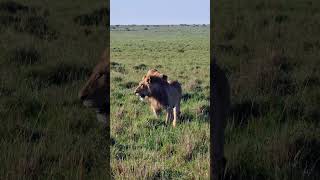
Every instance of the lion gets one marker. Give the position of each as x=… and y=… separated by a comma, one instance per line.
x=155, y=72
x=94, y=94
x=161, y=94
x=220, y=95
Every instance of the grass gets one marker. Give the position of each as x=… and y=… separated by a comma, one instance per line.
x=144, y=147
x=270, y=52
x=45, y=58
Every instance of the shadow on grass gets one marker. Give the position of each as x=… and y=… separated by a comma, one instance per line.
x=186, y=117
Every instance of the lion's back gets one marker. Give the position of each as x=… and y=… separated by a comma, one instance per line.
x=171, y=93
x=176, y=85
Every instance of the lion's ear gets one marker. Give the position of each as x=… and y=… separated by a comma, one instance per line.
x=164, y=77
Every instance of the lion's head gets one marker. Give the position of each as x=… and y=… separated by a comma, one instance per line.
x=150, y=84
x=94, y=93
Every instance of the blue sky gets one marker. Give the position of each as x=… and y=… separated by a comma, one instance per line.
x=160, y=12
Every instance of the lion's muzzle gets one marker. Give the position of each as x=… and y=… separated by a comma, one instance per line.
x=141, y=96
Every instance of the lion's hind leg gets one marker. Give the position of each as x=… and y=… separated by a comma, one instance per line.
x=175, y=112
x=169, y=115
x=177, y=108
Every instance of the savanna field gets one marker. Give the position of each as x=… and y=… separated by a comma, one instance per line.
x=269, y=50
x=47, y=52
x=144, y=147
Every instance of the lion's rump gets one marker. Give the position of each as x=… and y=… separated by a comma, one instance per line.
x=168, y=94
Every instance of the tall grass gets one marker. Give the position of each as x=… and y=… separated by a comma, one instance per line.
x=45, y=58
x=144, y=147
x=270, y=53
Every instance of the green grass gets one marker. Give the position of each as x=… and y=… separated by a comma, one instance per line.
x=273, y=131
x=45, y=58
x=144, y=147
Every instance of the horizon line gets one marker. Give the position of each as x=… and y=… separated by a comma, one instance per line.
x=159, y=24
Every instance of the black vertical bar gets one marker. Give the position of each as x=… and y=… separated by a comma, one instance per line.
x=108, y=94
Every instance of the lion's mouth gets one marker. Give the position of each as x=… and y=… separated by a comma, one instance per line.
x=141, y=96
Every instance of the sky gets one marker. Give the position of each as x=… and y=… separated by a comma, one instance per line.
x=157, y=12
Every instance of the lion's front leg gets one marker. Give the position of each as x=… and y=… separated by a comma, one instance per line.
x=169, y=115
x=155, y=112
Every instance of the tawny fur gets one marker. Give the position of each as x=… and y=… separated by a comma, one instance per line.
x=94, y=93
x=161, y=94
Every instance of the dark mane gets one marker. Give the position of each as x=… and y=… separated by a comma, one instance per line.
x=160, y=94
x=157, y=79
